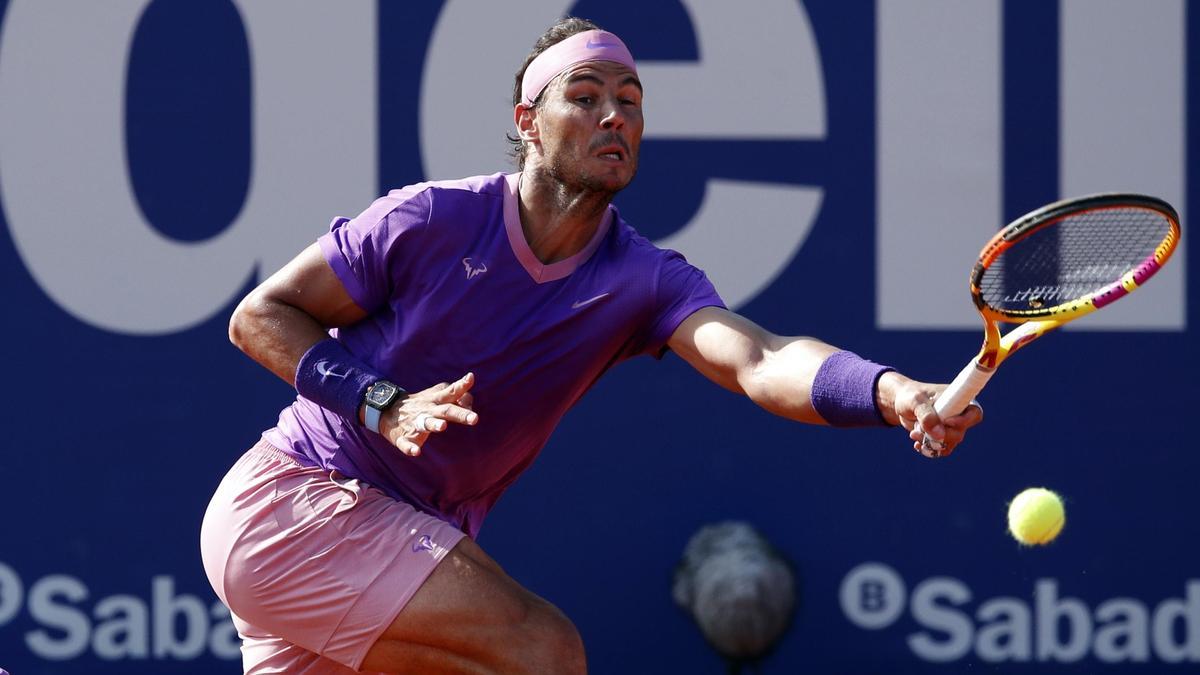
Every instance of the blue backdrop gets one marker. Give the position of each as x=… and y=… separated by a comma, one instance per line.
x=121, y=423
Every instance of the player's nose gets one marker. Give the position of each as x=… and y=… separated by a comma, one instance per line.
x=612, y=116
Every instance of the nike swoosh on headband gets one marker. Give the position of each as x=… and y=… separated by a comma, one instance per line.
x=592, y=45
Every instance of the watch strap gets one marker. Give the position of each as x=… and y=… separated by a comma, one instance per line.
x=371, y=417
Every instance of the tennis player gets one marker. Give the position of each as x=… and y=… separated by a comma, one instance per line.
x=435, y=341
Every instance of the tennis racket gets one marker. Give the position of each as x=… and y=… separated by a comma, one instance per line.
x=1054, y=265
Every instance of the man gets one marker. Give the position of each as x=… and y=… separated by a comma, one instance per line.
x=344, y=539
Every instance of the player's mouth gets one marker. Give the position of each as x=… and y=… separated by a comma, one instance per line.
x=612, y=153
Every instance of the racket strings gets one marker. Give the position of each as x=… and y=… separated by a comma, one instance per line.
x=1072, y=257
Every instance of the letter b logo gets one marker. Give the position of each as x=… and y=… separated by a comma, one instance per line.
x=872, y=596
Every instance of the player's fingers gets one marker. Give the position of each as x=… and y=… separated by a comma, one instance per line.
x=467, y=400
x=414, y=429
x=455, y=390
x=427, y=422
x=415, y=434
x=953, y=438
x=457, y=414
x=968, y=418
x=408, y=447
x=929, y=422
x=931, y=452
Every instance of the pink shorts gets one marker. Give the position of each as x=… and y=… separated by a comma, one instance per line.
x=313, y=565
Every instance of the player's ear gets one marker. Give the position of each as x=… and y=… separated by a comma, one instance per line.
x=525, y=117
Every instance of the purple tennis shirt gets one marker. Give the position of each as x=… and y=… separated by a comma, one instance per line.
x=451, y=286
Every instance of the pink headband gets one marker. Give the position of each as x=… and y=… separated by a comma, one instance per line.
x=592, y=45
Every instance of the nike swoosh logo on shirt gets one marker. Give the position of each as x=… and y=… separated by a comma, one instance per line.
x=581, y=303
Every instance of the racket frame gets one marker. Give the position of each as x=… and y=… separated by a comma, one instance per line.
x=1035, y=322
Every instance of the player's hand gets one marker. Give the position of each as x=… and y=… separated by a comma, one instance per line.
x=409, y=423
x=911, y=402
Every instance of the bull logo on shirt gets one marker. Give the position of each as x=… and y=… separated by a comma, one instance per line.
x=474, y=270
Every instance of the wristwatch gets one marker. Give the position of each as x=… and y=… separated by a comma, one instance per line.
x=380, y=396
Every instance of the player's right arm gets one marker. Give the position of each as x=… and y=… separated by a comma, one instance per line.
x=290, y=312
x=777, y=373
x=281, y=319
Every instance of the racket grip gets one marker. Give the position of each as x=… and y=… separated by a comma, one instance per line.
x=957, y=396
x=966, y=386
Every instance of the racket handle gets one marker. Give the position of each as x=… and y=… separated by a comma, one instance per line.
x=957, y=396
x=966, y=386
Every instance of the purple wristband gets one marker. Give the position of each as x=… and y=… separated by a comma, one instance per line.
x=333, y=378
x=843, y=392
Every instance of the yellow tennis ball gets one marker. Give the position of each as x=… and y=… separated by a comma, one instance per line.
x=1036, y=516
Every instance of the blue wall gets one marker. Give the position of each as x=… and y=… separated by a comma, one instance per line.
x=119, y=427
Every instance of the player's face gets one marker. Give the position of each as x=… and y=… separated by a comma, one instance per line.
x=590, y=126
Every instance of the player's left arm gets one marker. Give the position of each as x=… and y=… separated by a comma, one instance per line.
x=777, y=373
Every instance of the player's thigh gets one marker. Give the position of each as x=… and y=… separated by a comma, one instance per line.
x=470, y=616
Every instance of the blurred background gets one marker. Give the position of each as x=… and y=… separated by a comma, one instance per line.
x=834, y=166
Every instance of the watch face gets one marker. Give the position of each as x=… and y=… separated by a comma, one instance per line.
x=381, y=394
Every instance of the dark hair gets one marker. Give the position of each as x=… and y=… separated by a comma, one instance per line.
x=565, y=28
